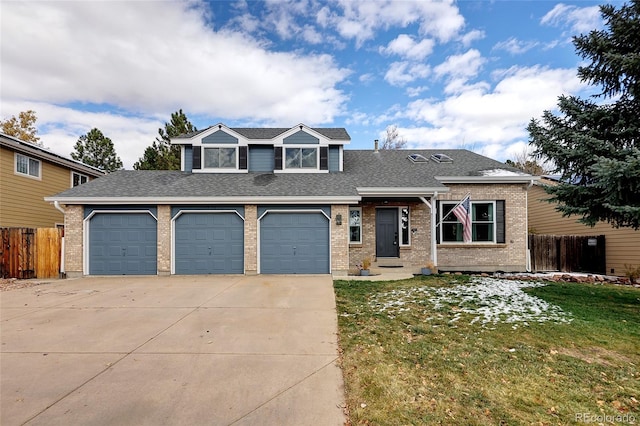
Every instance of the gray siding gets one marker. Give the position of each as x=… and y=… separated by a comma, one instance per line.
x=301, y=137
x=334, y=158
x=188, y=158
x=261, y=158
x=220, y=137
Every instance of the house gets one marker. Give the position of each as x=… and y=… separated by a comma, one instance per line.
x=28, y=173
x=622, y=245
x=295, y=200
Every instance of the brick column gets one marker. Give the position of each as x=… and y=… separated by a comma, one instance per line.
x=73, y=240
x=164, y=240
x=250, y=239
x=340, y=241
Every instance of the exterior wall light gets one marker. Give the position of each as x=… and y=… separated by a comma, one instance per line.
x=338, y=219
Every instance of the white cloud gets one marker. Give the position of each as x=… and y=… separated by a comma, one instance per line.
x=465, y=65
x=413, y=92
x=472, y=36
x=402, y=73
x=404, y=45
x=122, y=54
x=367, y=78
x=361, y=20
x=578, y=19
x=515, y=46
x=492, y=119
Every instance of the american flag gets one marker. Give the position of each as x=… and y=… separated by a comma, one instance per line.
x=463, y=213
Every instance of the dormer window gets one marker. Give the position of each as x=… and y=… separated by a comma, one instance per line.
x=220, y=158
x=301, y=158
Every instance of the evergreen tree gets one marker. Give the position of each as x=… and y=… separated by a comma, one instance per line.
x=161, y=155
x=23, y=127
x=595, y=146
x=95, y=149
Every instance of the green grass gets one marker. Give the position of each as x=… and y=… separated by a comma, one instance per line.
x=416, y=366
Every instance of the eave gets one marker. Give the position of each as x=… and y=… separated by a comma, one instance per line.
x=399, y=192
x=488, y=179
x=205, y=200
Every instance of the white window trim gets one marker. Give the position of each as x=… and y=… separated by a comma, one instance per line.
x=220, y=169
x=79, y=174
x=15, y=166
x=286, y=169
x=349, y=224
x=495, y=223
x=400, y=226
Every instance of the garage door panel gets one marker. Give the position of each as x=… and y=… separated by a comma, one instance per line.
x=294, y=243
x=122, y=243
x=209, y=243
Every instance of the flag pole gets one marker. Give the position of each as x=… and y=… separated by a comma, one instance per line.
x=454, y=207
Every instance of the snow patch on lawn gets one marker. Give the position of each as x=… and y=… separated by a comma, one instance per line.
x=487, y=300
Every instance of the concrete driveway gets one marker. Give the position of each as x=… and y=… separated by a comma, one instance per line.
x=192, y=350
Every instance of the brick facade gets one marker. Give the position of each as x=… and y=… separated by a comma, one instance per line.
x=413, y=256
x=510, y=256
x=73, y=240
x=251, y=239
x=339, y=241
x=164, y=240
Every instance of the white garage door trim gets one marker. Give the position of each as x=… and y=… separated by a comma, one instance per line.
x=266, y=212
x=86, y=231
x=173, y=230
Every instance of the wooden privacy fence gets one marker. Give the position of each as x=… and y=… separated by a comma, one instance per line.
x=30, y=252
x=568, y=253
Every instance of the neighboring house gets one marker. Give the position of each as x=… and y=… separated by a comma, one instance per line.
x=294, y=200
x=622, y=244
x=29, y=173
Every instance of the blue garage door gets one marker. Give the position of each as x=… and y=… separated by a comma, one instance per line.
x=209, y=243
x=123, y=244
x=294, y=243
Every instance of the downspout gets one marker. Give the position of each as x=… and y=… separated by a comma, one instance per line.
x=526, y=222
x=432, y=207
x=56, y=204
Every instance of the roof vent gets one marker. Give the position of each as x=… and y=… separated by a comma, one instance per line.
x=441, y=158
x=417, y=158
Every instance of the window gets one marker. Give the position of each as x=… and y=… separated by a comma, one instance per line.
x=483, y=223
x=355, y=225
x=78, y=179
x=220, y=158
x=301, y=158
x=27, y=166
x=404, y=227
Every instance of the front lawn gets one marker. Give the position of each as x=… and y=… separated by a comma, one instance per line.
x=480, y=351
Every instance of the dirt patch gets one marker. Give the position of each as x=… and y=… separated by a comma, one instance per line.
x=595, y=355
x=7, y=284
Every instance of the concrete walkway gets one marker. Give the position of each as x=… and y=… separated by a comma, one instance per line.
x=195, y=350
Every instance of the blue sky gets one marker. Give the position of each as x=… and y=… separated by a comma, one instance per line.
x=467, y=74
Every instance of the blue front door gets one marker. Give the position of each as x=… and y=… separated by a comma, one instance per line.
x=387, y=233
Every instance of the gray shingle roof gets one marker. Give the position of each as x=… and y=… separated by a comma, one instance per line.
x=362, y=168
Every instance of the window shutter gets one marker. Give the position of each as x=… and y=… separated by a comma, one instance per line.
x=500, y=222
x=196, y=157
x=278, y=158
x=242, y=157
x=324, y=158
